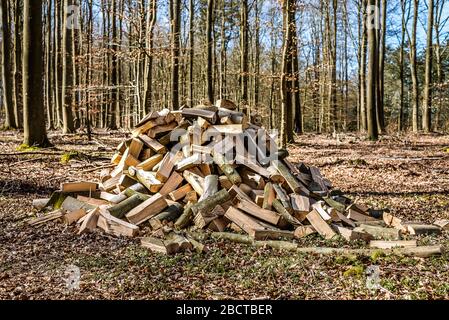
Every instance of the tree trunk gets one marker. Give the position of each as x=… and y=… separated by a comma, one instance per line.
x=295, y=78
x=6, y=66
x=191, y=49
x=209, y=70
x=149, y=58
x=244, y=52
x=427, y=100
x=67, y=76
x=363, y=111
x=413, y=67
x=175, y=36
x=48, y=84
x=381, y=90
x=286, y=134
x=114, y=119
x=17, y=79
x=33, y=87
x=372, y=74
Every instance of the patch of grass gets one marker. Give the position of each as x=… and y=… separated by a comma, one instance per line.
x=25, y=147
x=376, y=255
x=355, y=271
x=66, y=157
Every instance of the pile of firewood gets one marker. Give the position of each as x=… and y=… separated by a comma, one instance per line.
x=208, y=168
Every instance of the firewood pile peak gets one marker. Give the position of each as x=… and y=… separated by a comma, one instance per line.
x=209, y=169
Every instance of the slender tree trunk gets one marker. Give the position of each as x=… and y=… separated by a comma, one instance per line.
x=48, y=88
x=413, y=67
x=286, y=134
x=363, y=109
x=244, y=52
x=372, y=71
x=295, y=78
x=149, y=58
x=381, y=90
x=17, y=79
x=428, y=85
x=401, y=69
x=67, y=76
x=33, y=87
x=209, y=43
x=176, y=17
x=6, y=66
x=191, y=49
x=257, y=56
x=114, y=119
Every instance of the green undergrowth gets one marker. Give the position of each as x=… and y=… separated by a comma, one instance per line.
x=25, y=147
x=66, y=157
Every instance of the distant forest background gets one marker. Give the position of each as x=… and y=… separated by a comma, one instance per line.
x=301, y=66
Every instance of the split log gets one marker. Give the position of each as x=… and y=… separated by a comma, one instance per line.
x=149, y=163
x=282, y=197
x=171, y=184
x=73, y=216
x=40, y=204
x=92, y=201
x=360, y=217
x=72, y=204
x=153, y=144
x=320, y=225
x=90, y=221
x=205, y=205
x=255, y=211
x=180, y=193
x=304, y=231
x=227, y=169
x=166, y=165
x=279, y=207
x=225, y=183
x=115, y=226
x=171, y=213
x=147, y=209
x=120, y=209
x=47, y=217
x=153, y=132
x=209, y=115
x=210, y=186
x=135, y=147
x=268, y=196
x=294, y=184
x=81, y=186
x=147, y=178
x=442, y=223
x=196, y=181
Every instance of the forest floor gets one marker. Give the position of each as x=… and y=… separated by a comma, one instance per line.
x=407, y=174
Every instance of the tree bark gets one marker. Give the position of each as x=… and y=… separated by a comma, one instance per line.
x=413, y=67
x=33, y=87
x=67, y=72
x=209, y=70
x=244, y=52
x=10, y=121
x=175, y=36
x=372, y=74
x=428, y=85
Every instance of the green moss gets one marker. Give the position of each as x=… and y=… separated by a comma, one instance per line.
x=25, y=147
x=355, y=271
x=376, y=255
x=66, y=157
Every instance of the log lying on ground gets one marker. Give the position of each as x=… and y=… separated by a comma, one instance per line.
x=423, y=251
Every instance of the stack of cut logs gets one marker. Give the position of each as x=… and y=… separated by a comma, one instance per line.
x=208, y=168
